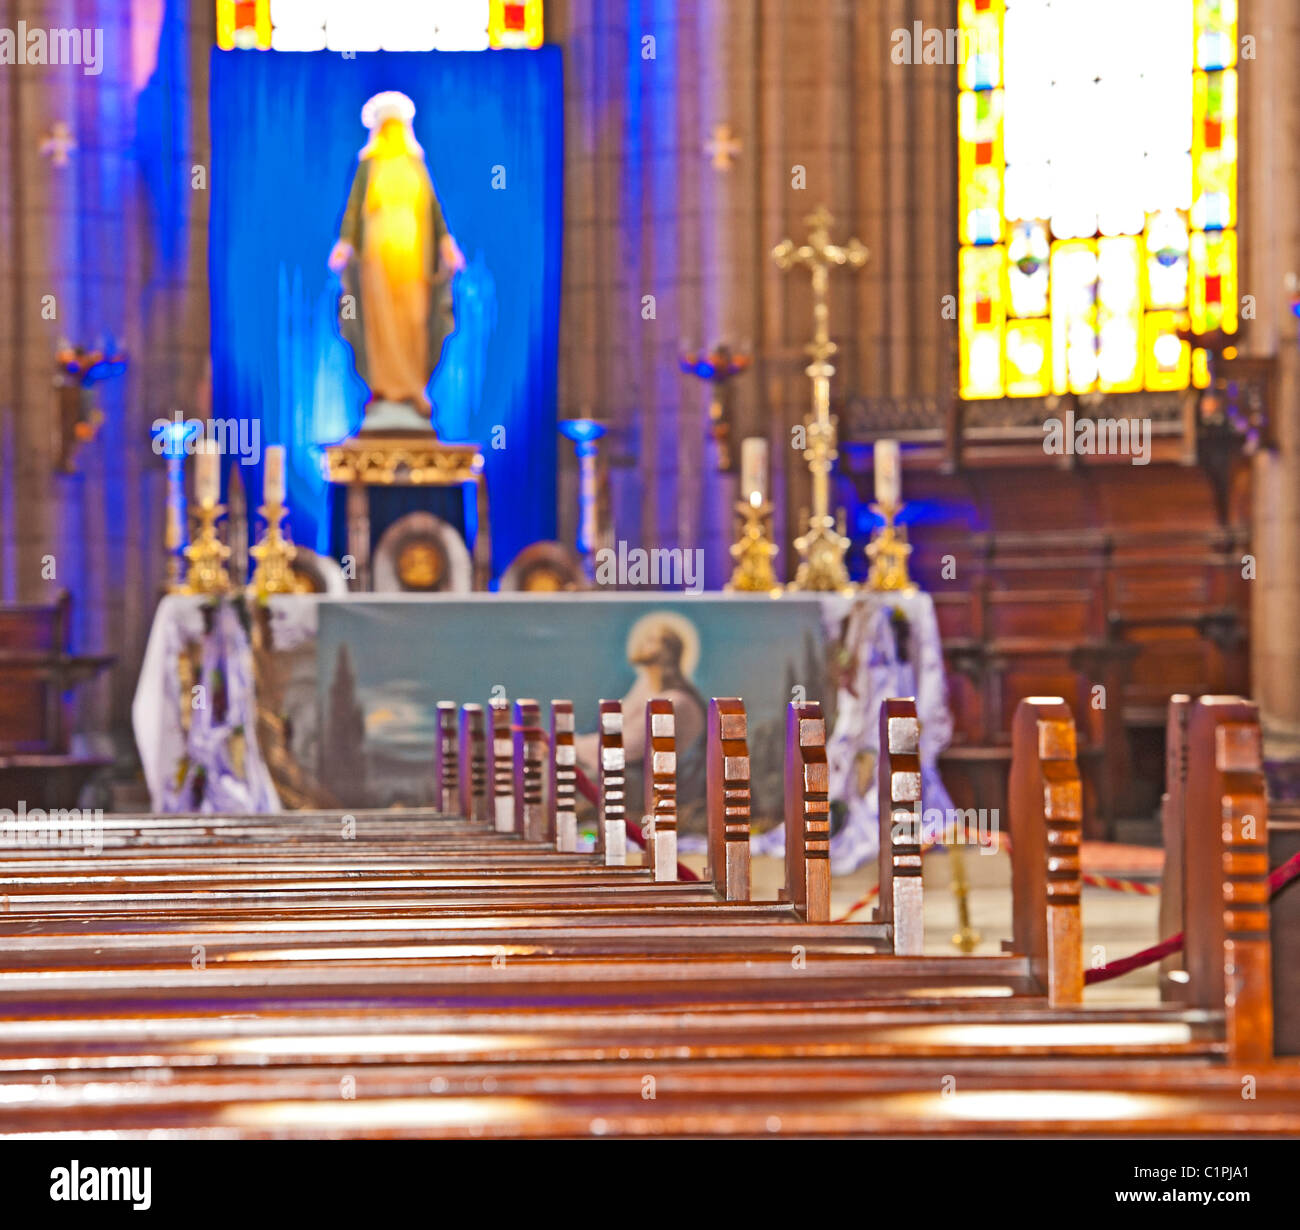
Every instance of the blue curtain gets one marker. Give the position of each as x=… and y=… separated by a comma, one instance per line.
x=286, y=129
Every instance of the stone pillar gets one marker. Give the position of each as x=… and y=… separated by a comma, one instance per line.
x=1269, y=227
x=86, y=234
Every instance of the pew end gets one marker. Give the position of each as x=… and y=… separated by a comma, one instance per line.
x=1046, y=801
x=807, y=813
x=899, y=807
x=1225, y=874
x=728, y=798
x=562, y=794
x=501, y=772
x=529, y=757
x=660, y=774
x=473, y=760
x=1173, y=989
x=446, y=760
x=611, y=830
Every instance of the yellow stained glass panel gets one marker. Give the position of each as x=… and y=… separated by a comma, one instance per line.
x=1119, y=314
x=506, y=29
x=1138, y=243
x=233, y=29
x=983, y=298
x=1168, y=359
x=1029, y=358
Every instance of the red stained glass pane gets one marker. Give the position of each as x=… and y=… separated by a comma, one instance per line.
x=982, y=6
x=245, y=13
x=513, y=16
x=1213, y=288
x=983, y=153
x=983, y=312
x=1213, y=134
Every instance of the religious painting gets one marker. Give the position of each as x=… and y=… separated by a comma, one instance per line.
x=384, y=665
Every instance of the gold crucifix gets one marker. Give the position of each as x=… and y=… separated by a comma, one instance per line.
x=822, y=546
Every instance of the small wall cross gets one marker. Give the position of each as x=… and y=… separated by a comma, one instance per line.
x=724, y=147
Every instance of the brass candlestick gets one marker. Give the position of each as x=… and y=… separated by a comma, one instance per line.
x=274, y=555
x=966, y=938
x=207, y=554
x=821, y=546
x=753, y=550
x=887, y=553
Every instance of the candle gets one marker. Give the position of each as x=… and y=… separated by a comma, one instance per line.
x=207, y=473
x=889, y=474
x=273, y=480
x=753, y=469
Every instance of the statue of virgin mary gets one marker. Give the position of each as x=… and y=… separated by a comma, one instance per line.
x=397, y=259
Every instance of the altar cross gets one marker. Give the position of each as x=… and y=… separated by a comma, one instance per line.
x=819, y=254
x=822, y=547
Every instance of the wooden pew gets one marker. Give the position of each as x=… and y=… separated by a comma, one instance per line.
x=1216, y=823
x=500, y=766
x=562, y=791
x=660, y=785
x=807, y=813
x=727, y=799
x=444, y=995
x=898, y=791
x=529, y=769
x=1226, y=874
x=473, y=763
x=446, y=760
x=1046, y=796
x=611, y=829
x=37, y=673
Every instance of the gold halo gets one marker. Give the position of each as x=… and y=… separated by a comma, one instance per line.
x=685, y=630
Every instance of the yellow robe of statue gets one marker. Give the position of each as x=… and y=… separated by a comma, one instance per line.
x=395, y=226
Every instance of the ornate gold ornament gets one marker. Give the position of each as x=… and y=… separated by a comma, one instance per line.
x=822, y=545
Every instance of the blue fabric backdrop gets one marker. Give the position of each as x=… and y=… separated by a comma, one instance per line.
x=286, y=129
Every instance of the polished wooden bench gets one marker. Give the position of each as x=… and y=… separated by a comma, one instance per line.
x=402, y=973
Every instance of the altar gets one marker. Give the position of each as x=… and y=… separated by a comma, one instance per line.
x=329, y=701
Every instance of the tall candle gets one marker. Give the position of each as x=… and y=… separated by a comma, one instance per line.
x=753, y=469
x=889, y=474
x=273, y=480
x=207, y=473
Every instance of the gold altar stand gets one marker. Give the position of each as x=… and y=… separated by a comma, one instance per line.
x=416, y=459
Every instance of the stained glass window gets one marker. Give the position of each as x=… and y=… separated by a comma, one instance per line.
x=378, y=25
x=1097, y=201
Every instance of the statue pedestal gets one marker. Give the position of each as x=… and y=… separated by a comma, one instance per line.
x=375, y=457
x=394, y=416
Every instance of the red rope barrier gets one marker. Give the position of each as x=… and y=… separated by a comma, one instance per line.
x=1278, y=879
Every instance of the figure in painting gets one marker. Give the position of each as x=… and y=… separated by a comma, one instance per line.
x=397, y=259
x=664, y=649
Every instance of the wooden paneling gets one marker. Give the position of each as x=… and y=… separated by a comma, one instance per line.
x=1114, y=586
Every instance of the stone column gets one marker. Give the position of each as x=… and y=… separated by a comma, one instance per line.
x=1269, y=227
